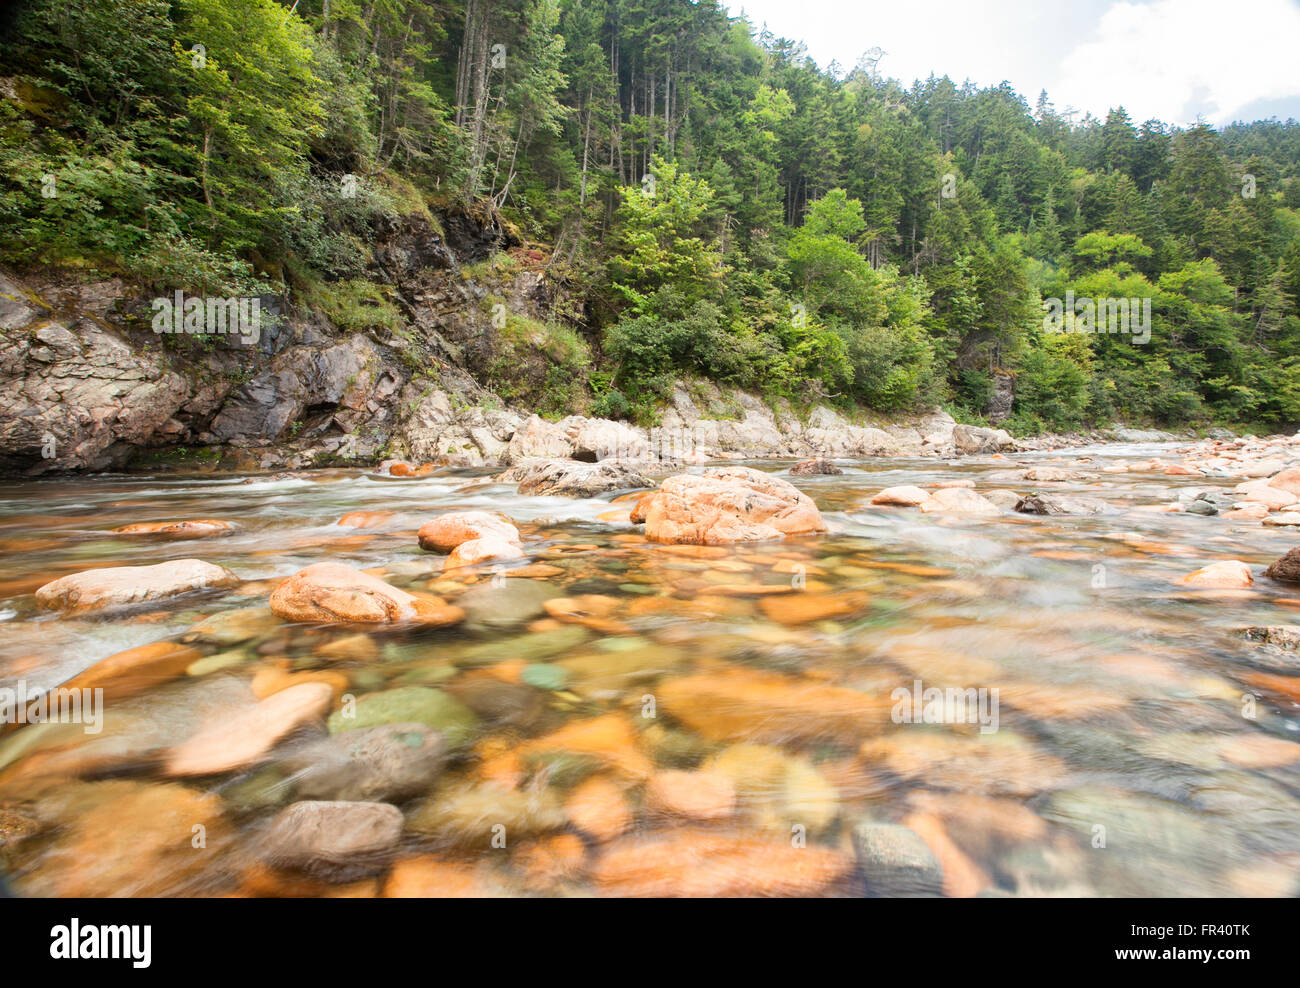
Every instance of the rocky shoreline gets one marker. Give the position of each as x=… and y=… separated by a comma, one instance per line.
x=84, y=388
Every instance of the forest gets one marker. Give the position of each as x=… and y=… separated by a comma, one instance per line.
x=722, y=206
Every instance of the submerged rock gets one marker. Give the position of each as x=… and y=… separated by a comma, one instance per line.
x=896, y=861
x=118, y=586
x=387, y=762
x=237, y=741
x=196, y=529
x=1228, y=574
x=409, y=704
x=712, y=864
x=332, y=832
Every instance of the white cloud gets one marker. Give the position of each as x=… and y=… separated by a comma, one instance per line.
x=1174, y=59
x=1165, y=58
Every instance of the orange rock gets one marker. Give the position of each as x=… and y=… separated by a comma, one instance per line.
x=118, y=586
x=723, y=505
x=608, y=738
x=1288, y=686
x=270, y=680
x=236, y=741
x=979, y=823
x=713, y=864
x=960, y=501
x=403, y=469
x=482, y=550
x=333, y=592
x=700, y=796
x=1250, y=511
x=615, y=516
x=536, y=571
x=962, y=877
x=436, y=878
x=365, y=519
x=1230, y=574
x=136, y=669
x=194, y=529
x=905, y=496
x=446, y=532
x=599, y=808
x=751, y=705
x=803, y=608
x=589, y=610
x=1260, y=751
x=508, y=671
x=552, y=860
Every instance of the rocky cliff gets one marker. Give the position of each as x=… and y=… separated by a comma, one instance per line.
x=87, y=385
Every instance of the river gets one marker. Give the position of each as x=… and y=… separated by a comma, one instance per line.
x=688, y=732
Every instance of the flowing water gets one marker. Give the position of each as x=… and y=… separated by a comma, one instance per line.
x=1130, y=740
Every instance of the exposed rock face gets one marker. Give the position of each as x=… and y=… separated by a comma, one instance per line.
x=572, y=478
x=86, y=385
x=118, y=586
x=972, y=440
x=332, y=592
x=733, y=504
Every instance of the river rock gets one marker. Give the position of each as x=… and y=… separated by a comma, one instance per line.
x=905, y=496
x=1287, y=568
x=959, y=501
x=972, y=440
x=118, y=586
x=572, y=478
x=445, y=532
x=805, y=468
x=199, y=528
x=232, y=627
x=389, y=762
x=692, y=795
x=502, y=604
x=136, y=669
x=126, y=838
x=736, y=703
x=1061, y=504
x=1228, y=574
x=723, y=505
x=409, y=704
x=331, y=832
x=710, y=864
x=246, y=737
x=466, y=814
x=475, y=551
x=333, y=592
x=896, y=861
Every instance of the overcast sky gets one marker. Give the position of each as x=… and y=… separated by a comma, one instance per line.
x=1172, y=59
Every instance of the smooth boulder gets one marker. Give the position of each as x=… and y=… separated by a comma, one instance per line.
x=725, y=505
x=333, y=592
x=118, y=586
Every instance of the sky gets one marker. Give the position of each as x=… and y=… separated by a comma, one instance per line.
x=1174, y=60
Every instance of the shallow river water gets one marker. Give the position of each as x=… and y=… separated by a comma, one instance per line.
x=711, y=721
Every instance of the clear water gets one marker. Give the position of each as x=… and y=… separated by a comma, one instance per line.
x=1135, y=752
